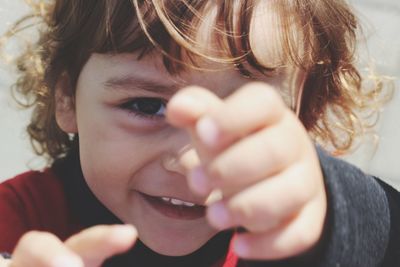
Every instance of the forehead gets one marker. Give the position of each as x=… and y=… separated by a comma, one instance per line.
x=191, y=32
x=120, y=68
x=192, y=47
x=125, y=73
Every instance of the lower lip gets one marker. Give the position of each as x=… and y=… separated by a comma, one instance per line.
x=172, y=211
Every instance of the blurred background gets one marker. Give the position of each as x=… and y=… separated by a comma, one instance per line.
x=381, y=20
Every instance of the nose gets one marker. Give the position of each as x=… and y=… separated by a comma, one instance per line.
x=182, y=160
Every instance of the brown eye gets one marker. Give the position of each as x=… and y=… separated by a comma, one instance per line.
x=146, y=106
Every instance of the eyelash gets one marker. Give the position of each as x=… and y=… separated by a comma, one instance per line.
x=133, y=107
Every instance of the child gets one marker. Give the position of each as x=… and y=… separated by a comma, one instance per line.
x=225, y=174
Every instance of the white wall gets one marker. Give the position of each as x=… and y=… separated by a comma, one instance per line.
x=14, y=148
x=382, y=19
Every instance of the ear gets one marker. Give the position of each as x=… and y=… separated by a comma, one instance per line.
x=65, y=106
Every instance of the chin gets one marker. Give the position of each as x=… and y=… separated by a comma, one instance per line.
x=177, y=246
x=165, y=229
x=174, y=251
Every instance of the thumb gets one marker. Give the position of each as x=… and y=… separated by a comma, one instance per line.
x=94, y=245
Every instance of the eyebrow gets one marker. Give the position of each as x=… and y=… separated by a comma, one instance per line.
x=129, y=82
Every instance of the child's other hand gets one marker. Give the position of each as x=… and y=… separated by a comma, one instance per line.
x=258, y=154
x=88, y=248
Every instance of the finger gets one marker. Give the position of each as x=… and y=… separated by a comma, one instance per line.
x=291, y=239
x=265, y=205
x=251, y=108
x=186, y=107
x=250, y=160
x=4, y=262
x=98, y=243
x=189, y=104
x=44, y=250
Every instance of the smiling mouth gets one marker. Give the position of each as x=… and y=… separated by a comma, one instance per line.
x=175, y=208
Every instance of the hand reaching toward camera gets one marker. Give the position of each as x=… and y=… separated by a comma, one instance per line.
x=255, y=151
x=89, y=248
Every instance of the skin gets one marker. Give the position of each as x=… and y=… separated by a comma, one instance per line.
x=217, y=130
x=220, y=133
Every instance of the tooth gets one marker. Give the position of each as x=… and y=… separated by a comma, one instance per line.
x=188, y=204
x=166, y=199
x=176, y=201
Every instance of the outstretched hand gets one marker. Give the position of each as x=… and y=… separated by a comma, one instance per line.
x=89, y=248
x=256, y=152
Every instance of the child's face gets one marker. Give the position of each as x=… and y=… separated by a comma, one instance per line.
x=130, y=154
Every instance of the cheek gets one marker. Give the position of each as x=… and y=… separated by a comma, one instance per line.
x=110, y=156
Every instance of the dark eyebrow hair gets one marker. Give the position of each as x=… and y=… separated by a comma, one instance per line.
x=129, y=82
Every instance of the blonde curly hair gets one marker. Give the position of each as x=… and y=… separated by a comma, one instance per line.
x=318, y=37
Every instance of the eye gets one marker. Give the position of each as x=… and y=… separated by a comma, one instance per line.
x=146, y=107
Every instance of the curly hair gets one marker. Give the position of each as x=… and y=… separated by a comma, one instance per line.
x=319, y=37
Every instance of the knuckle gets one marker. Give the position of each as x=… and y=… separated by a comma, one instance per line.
x=241, y=212
x=217, y=173
x=302, y=194
x=277, y=157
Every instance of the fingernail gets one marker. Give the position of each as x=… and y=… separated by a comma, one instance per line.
x=218, y=215
x=241, y=248
x=67, y=261
x=198, y=181
x=207, y=130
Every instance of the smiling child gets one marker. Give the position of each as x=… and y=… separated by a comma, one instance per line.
x=196, y=127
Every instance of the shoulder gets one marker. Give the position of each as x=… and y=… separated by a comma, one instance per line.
x=31, y=201
x=363, y=216
x=31, y=187
x=30, y=178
